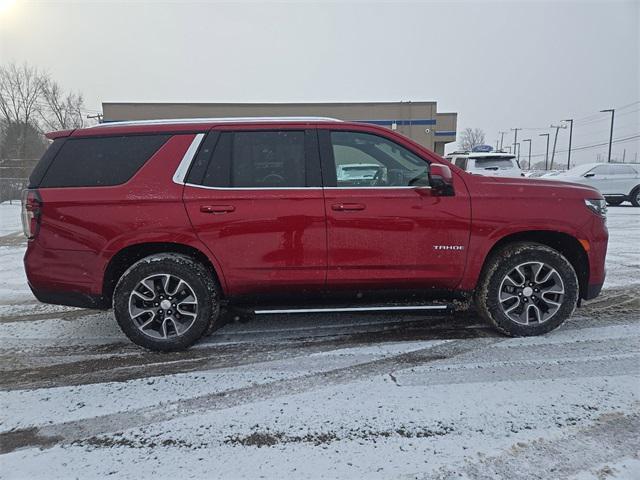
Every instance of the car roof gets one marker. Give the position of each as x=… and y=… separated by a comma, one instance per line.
x=173, y=125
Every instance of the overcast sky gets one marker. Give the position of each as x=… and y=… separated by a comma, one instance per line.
x=498, y=64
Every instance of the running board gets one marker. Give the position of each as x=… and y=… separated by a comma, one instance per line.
x=390, y=308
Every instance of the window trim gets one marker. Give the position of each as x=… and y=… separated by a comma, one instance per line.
x=329, y=164
x=182, y=171
x=313, y=171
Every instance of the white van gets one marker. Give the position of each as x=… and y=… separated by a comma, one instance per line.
x=487, y=162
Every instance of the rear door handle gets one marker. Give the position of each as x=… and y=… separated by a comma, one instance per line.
x=217, y=208
x=347, y=206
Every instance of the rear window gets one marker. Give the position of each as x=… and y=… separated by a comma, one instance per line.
x=494, y=163
x=99, y=162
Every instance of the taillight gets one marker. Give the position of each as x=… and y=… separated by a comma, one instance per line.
x=31, y=212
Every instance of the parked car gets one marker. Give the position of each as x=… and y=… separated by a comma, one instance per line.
x=364, y=173
x=487, y=162
x=618, y=182
x=171, y=222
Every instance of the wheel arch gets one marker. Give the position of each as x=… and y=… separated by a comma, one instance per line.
x=130, y=254
x=566, y=244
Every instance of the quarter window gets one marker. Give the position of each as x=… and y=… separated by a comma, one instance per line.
x=365, y=160
x=99, y=162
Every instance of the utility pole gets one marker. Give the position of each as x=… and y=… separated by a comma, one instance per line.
x=515, y=139
x=529, y=140
x=570, y=120
x=517, y=152
x=613, y=112
x=496, y=145
x=501, y=138
x=624, y=154
x=546, y=155
x=555, y=141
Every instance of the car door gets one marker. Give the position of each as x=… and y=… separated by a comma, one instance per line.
x=389, y=231
x=622, y=179
x=254, y=198
x=597, y=177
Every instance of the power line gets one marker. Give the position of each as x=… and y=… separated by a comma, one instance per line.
x=595, y=145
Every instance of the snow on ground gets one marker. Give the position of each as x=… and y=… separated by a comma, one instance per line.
x=333, y=396
x=10, y=221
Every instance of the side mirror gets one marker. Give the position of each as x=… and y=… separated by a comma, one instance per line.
x=441, y=179
x=589, y=175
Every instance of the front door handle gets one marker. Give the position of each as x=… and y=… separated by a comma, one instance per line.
x=217, y=208
x=341, y=207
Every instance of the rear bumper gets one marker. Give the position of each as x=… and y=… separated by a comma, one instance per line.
x=64, y=277
x=72, y=299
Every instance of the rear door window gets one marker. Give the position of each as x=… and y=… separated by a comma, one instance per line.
x=260, y=159
x=621, y=170
x=99, y=162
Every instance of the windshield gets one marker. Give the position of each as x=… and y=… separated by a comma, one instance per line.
x=494, y=163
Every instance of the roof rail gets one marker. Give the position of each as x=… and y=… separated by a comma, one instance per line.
x=170, y=121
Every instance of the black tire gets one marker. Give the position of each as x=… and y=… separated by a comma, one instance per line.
x=199, y=315
x=614, y=202
x=634, y=196
x=492, y=283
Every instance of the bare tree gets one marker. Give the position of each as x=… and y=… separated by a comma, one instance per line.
x=20, y=92
x=471, y=137
x=60, y=110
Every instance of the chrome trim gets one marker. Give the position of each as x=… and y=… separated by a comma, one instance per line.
x=251, y=188
x=352, y=309
x=185, y=163
x=187, y=121
x=297, y=188
x=378, y=187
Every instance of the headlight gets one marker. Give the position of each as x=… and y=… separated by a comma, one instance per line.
x=597, y=206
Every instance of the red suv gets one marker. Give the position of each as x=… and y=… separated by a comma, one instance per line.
x=169, y=222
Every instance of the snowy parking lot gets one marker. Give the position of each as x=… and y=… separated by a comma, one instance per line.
x=323, y=396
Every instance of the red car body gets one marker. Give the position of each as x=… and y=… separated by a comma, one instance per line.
x=303, y=240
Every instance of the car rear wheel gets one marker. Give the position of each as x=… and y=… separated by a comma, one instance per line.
x=527, y=289
x=166, y=302
x=635, y=197
x=614, y=202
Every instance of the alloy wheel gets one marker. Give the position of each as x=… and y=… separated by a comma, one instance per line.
x=532, y=292
x=162, y=306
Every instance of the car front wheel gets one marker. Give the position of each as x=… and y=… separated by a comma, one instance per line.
x=527, y=289
x=166, y=302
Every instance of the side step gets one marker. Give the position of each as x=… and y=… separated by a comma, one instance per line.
x=382, y=308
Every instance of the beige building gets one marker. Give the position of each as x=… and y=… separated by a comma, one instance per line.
x=418, y=120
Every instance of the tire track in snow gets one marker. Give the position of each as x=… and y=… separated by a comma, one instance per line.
x=612, y=437
x=65, y=433
x=142, y=364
